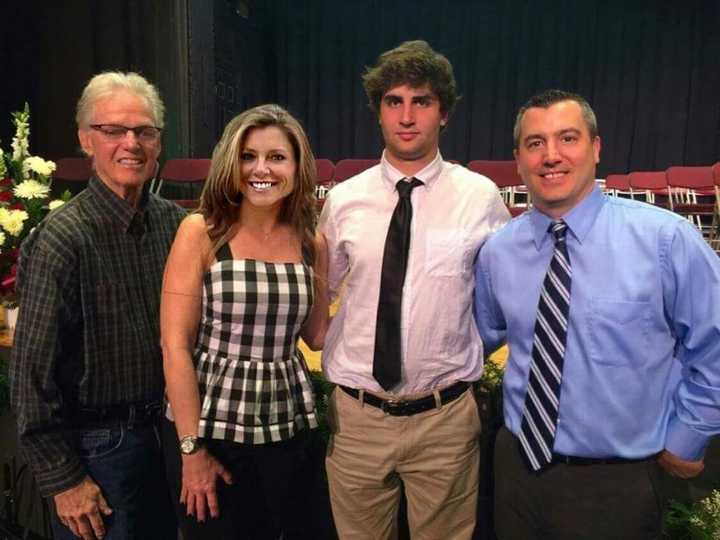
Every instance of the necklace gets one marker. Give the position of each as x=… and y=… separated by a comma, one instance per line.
x=259, y=233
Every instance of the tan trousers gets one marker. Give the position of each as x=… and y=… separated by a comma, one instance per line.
x=435, y=455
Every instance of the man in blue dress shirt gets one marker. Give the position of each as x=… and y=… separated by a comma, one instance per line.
x=614, y=373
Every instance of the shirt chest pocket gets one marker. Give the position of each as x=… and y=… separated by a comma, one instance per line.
x=618, y=331
x=447, y=253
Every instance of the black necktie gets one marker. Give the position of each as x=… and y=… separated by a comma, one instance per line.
x=539, y=423
x=386, y=364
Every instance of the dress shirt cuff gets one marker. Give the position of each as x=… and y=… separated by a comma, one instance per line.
x=69, y=474
x=685, y=442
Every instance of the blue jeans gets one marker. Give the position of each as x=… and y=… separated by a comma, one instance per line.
x=126, y=462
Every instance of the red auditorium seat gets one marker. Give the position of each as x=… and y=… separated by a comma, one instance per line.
x=186, y=171
x=650, y=186
x=688, y=187
x=325, y=170
x=71, y=174
x=347, y=168
x=715, y=229
x=73, y=169
x=324, y=181
x=183, y=170
x=508, y=181
x=503, y=173
x=618, y=185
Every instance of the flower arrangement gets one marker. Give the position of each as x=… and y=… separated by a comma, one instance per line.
x=698, y=521
x=25, y=182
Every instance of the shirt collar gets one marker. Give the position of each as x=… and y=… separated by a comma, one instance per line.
x=579, y=219
x=427, y=175
x=116, y=208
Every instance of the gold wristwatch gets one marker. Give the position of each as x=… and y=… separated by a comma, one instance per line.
x=189, y=445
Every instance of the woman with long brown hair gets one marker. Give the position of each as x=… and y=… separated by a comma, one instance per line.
x=245, y=277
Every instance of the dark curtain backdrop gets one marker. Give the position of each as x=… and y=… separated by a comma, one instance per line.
x=651, y=69
x=49, y=51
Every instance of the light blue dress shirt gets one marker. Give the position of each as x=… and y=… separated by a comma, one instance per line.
x=642, y=360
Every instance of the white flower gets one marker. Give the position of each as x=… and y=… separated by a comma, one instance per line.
x=2, y=238
x=20, y=145
x=3, y=169
x=22, y=132
x=31, y=189
x=55, y=203
x=38, y=165
x=12, y=220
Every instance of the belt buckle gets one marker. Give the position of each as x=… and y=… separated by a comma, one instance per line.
x=393, y=406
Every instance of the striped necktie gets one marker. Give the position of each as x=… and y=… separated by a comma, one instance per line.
x=542, y=400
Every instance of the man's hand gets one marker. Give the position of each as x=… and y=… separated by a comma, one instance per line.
x=199, y=473
x=678, y=467
x=81, y=508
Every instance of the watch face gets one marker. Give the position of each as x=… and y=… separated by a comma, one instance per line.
x=188, y=445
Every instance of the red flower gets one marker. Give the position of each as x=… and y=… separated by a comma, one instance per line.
x=7, y=285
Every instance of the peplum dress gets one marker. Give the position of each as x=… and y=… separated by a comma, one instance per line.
x=253, y=380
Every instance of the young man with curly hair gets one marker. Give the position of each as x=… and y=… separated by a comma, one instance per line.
x=403, y=349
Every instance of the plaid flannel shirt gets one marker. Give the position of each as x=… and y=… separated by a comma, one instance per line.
x=88, y=332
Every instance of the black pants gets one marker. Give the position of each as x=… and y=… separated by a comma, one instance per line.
x=266, y=495
x=574, y=502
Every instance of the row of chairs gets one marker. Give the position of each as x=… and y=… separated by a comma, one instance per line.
x=73, y=173
x=196, y=170
x=693, y=192
x=187, y=171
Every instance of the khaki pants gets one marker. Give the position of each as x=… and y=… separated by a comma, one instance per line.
x=435, y=455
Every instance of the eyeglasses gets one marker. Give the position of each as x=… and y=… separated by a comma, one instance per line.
x=146, y=134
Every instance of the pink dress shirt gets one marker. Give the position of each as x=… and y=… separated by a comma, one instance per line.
x=453, y=214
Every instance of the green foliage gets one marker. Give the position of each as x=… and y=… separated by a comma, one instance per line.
x=491, y=381
x=322, y=389
x=698, y=521
x=488, y=392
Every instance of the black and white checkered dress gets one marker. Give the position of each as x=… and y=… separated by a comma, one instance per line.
x=254, y=383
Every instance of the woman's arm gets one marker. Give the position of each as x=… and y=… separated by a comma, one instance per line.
x=179, y=318
x=314, y=329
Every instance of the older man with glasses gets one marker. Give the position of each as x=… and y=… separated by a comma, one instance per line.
x=86, y=368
